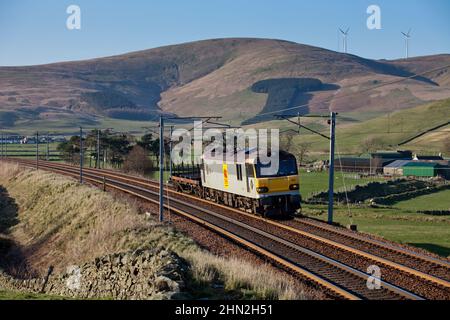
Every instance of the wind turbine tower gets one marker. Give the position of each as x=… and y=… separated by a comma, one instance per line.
x=407, y=38
x=344, y=38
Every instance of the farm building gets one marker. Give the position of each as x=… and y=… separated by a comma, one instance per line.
x=381, y=159
x=353, y=164
x=421, y=169
x=427, y=158
x=395, y=168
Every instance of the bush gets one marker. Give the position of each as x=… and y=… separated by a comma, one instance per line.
x=138, y=161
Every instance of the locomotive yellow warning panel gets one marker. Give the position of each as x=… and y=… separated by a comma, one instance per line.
x=225, y=176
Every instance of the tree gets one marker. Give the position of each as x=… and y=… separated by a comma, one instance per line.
x=138, y=161
x=286, y=143
x=152, y=145
x=70, y=150
x=372, y=144
x=118, y=147
x=303, y=151
x=147, y=142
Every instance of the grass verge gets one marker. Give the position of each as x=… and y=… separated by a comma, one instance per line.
x=62, y=223
x=431, y=233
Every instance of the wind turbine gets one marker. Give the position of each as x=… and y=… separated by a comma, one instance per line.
x=344, y=40
x=407, y=37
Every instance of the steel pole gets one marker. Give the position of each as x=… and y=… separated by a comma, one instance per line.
x=81, y=155
x=2, y=145
x=37, y=150
x=170, y=155
x=331, y=169
x=97, y=165
x=161, y=167
x=48, y=148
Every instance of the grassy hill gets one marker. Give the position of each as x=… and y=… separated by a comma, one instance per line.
x=385, y=131
x=423, y=64
x=218, y=77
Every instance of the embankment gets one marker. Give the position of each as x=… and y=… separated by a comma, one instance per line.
x=74, y=240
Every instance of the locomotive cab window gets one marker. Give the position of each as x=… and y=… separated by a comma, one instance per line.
x=287, y=167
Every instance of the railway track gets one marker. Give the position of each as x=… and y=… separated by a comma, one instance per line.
x=426, y=264
x=337, y=267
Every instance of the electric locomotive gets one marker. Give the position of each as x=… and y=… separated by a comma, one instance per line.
x=243, y=185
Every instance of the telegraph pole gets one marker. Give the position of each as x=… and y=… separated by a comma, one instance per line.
x=3, y=152
x=161, y=168
x=37, y=150
x=97, y=165
x=48, y=148
x=81, y=155
x=6, y=147
x=331, y=173
x=171, y=146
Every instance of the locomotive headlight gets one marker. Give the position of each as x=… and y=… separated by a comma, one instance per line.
x=294, y=187
x=262, y=190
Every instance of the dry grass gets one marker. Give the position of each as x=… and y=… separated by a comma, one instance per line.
x=261, y=282
x=64, y=223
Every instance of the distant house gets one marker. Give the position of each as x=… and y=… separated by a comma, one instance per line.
x=395, y=168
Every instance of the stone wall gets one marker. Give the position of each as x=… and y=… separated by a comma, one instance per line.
x=144, y=274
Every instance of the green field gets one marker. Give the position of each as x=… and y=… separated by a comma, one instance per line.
x=28, y=151
x=313, y=182
x=436, y=201
x=390, y=129
x=400, y=223
x=428, y=232
x=71, y=125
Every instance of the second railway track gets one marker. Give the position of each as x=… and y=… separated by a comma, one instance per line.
x=336, y=266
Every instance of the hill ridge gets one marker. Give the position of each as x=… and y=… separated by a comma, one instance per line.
x=214, y=75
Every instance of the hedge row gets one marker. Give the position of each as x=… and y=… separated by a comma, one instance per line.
x=374, y=190
x=436, y=212
x=391, y=199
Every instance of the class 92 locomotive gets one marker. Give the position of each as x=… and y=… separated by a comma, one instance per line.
x=243, y=185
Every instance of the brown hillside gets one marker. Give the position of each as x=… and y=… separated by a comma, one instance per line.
x=217, y=77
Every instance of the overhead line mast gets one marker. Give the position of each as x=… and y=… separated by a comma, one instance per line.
x=332, y=139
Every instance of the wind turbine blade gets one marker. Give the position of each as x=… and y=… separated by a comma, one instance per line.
x=409, y=32
x=404, y=34
x=341, y=31
x=346, y=32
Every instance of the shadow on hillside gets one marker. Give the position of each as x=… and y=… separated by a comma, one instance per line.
x=288, y=93
x=440, y=250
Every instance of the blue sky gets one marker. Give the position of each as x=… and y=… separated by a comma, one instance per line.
x=34, y=31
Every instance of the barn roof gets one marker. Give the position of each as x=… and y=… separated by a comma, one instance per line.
x=398, y=164
x=422, y=165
